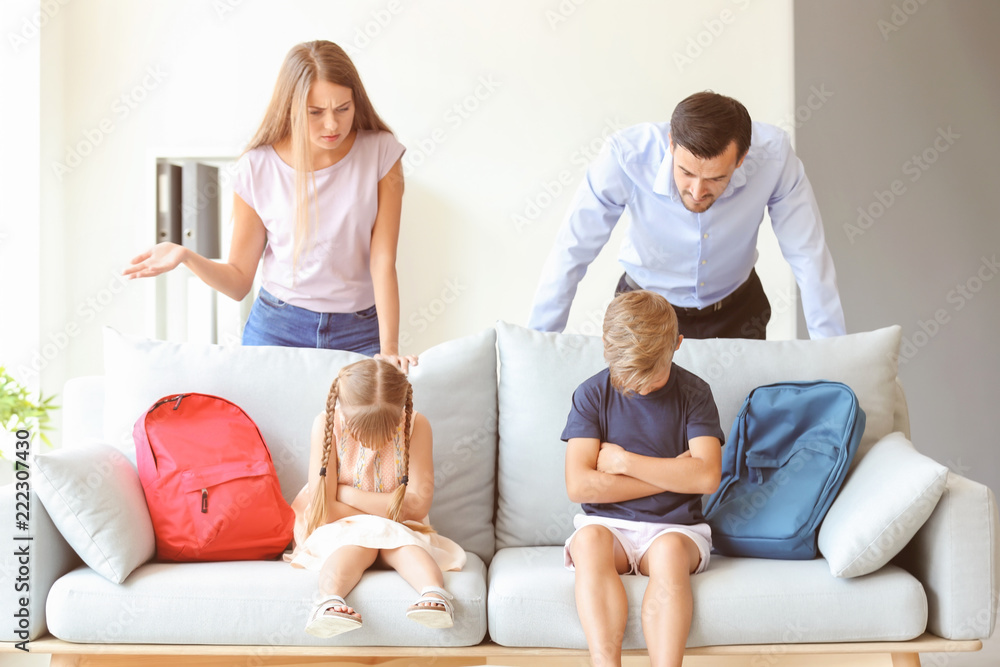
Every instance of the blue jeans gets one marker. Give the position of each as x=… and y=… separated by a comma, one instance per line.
x=275, y=322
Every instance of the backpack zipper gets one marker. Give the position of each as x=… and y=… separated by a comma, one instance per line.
x=204, y=501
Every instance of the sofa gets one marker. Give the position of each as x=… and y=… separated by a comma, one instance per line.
x=908, y=558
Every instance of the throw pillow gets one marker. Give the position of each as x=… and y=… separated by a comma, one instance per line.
x=94, y=498
x=883, y=503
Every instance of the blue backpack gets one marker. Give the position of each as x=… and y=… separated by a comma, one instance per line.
x=786, y=458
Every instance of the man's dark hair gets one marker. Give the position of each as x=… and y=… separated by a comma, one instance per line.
x=706, y=123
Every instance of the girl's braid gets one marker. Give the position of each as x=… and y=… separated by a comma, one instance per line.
x=317, y=514
x=396, y=506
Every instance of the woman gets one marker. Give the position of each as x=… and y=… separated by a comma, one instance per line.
x=318, y=195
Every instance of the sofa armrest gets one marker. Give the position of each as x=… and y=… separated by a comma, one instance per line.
x=956, y=556
x=28, y=577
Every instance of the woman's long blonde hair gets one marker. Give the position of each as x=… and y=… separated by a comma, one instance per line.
x=287, y=114
x=372, y=396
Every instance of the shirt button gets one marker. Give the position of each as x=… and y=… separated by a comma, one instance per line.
x=706, y=236
x=704, y=261
x=701, y=284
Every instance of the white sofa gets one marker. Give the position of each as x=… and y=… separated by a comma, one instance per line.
x=497, y=402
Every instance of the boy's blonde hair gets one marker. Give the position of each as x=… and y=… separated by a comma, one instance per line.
x=373, y=395
x=640, y=336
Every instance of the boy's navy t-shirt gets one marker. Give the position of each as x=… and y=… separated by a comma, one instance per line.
x=657, y=424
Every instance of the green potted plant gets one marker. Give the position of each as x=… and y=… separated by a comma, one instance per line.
x=20, y=410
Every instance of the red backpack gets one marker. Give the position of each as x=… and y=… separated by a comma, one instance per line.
x=209, y=482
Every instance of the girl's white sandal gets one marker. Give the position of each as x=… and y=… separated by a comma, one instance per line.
x=325, y=625
x=440, y=615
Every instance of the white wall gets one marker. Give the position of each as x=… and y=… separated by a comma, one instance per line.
x=20, y=233
x=493, y=99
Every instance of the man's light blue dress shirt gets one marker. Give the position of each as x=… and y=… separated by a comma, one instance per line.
x=692, y=259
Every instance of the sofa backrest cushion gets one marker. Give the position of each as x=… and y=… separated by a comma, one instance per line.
x=283, y=389
x=539, y=371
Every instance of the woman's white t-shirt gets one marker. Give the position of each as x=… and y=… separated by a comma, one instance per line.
x=332, y=274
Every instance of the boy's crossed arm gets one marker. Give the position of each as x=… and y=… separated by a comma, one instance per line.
x=698, y=470
x=599, y=472
x=586, y=484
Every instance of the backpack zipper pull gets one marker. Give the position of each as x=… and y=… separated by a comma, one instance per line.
x=204, y=501
x=178, y=403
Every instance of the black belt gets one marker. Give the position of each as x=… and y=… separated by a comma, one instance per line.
x=711, y=308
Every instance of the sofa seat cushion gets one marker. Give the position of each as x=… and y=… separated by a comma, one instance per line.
x=736, y=601
x=262, y=603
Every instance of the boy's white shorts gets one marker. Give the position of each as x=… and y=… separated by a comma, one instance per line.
x=637, y=536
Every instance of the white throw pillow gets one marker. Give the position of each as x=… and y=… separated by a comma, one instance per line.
x=95, y=499
x=540, y=371
x=283, y=389
x=883, y=503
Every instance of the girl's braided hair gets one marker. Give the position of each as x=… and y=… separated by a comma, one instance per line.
x=371, y=394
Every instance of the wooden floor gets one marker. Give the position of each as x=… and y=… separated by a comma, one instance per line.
x=876, y=654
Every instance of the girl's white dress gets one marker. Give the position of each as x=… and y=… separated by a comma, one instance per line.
x=378, y=470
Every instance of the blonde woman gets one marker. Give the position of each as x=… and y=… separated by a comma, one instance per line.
x=318, y=196
x=370, y=487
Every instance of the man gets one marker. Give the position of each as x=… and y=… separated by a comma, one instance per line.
x=696, y=189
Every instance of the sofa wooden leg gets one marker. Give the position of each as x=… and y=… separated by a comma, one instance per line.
x=905, y=660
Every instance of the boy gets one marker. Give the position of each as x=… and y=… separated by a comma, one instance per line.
x=644, y=444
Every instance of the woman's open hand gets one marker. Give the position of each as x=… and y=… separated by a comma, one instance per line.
x=159, y=259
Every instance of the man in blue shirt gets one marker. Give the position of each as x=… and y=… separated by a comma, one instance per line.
x=696, y=189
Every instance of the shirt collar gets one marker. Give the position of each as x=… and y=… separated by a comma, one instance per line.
x=664, y=183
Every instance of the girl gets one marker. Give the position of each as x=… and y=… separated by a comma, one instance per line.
x=371, y=482
x=318, y=195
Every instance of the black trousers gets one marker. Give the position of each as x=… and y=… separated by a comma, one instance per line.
x=745, y=317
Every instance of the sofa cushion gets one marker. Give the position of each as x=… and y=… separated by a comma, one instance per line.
x=255, y=603
x=95, y=499
x=883, y=503
x=282, y=389
x=539, y=371
x=736, y=601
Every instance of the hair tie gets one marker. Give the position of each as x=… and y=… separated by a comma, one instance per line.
x=322, y=471
x=405, y=480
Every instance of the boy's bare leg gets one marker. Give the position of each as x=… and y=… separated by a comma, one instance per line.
x=667, y=604
x=600, y=595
